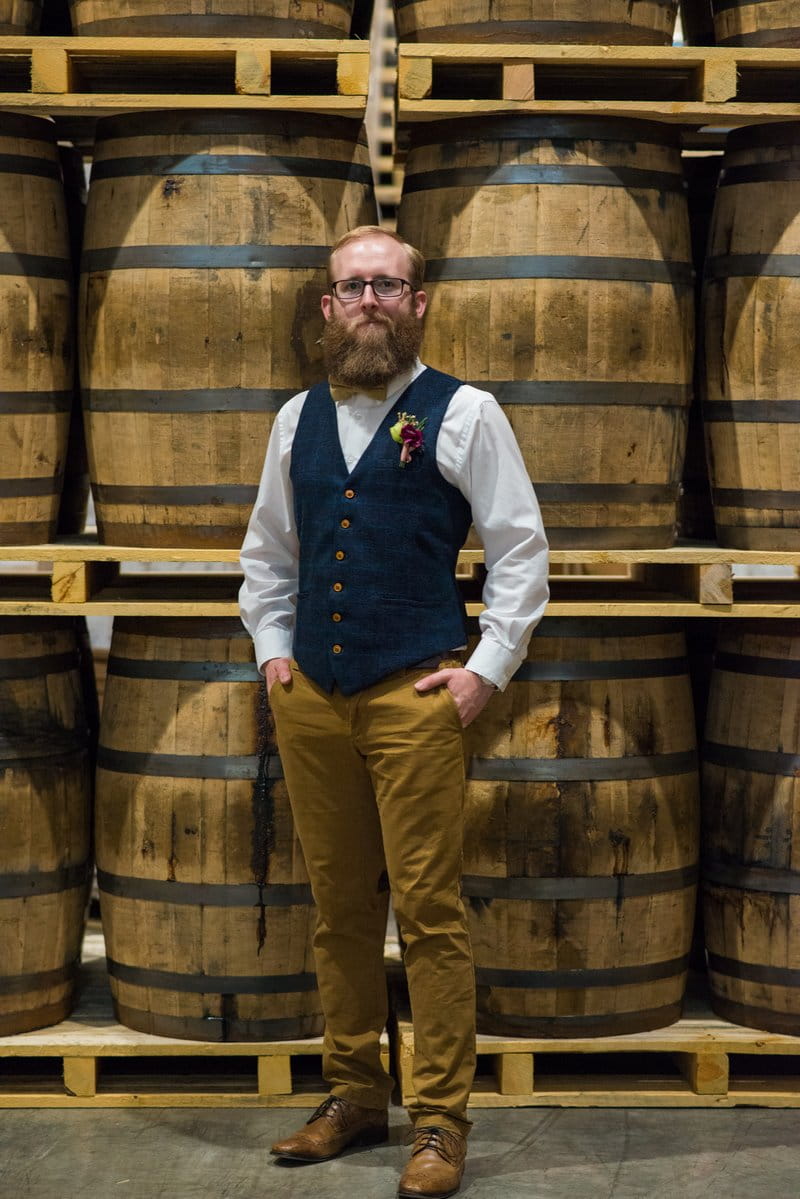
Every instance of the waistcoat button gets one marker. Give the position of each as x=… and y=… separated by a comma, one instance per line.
x=345, y=524
x=349, y=494
x=337, y=586
x=337, y=649
x=337, y=616
x=339, y=555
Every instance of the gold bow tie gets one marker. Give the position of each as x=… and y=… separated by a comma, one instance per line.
x=342, y=391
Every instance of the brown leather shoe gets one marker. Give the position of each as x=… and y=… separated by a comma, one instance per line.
x=335, y=1124
x=436, y=1166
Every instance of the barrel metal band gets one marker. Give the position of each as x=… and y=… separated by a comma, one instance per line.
x=751, y=878
x=43, y=755
x=558, y=131
x=206, y=672
x=26, y=164
x=748, y=497
x=608, y=537
x=210, y=984
x=216, y=25
x=753, y=411
x=187, y=766
x=561, y=266
x=18, y=984
x=776, y=976
x=35, y=266
x=214, y=895
x=608, y=1024
x=31, y=668
x=726, y=5
x=231, y=164
x=761, y=172
x=761, y=761
x=218, y=494
x=196, y=627
x=779, y=668
x=552, y=770
x=34, y=403
x=594, y=627
x=208, y=258
x=537, y=174
x=47, y=485
x=641, y=668
x=764, y=38
x=200, y=399
x=745, y=266
x=614, y=976
x=21, y=885
x=611, y=493
x=623, y=886
x=581, y=393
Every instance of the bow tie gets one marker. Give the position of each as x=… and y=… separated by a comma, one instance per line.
x=342, y=391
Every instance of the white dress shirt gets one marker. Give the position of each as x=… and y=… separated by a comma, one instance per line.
x=476, y=452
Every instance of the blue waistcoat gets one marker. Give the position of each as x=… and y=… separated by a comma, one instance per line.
x=378, y=544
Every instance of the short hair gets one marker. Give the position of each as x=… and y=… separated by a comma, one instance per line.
x=416, y=260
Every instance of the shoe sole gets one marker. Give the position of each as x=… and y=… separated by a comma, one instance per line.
x=427, y=1194
x=369, y=1137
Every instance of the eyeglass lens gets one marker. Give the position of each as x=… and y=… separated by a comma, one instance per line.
x=384, y=287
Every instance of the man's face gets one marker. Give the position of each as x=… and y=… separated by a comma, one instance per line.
x=369, y=340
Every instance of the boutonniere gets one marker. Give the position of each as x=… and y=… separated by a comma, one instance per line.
x=408, y=434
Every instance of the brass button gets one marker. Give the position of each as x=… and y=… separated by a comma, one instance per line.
x=337, y=616
x=339, y=555
x=337, y=649
x=344, y=524
x=349, y=494
x=337, y=586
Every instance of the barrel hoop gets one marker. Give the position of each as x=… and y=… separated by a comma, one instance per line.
x=746, y=266
x=750, y=411
x=560, y=131
x=18, y=984
x=44, y=485
x=616, y=887
x=36, y=129
x=777, y=976
x=218, y=494
x=760, y=172
x=614, y=976
x=751, y=878
x=548, y=770
x=34, y=403
x=211, y=984
x=27, y=164
x=214, y=25
x=42, y=754
x=569, y=1025
x=760, y=761
x=31, y=668
x=764, y=38
x=609, y=537
x=610, y=493
x=757, y=137
x=726, y=5
x=780, y=668
x=578, y=392
x=206, y=258
x=636, y=668
x=21, y=885
x=561, y=266
x=539, y=174
x=214, y=895
x=743, y=497
x=200, y=399
x=187, y=766
x=231, y=164
x=197, y=627
x=229, y=123
x=616, y=626
x=207, y=672
x=35, y=266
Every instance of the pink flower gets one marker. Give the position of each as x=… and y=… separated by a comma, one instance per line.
x=412, y=437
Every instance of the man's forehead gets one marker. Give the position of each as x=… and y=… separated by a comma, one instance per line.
x=366, y=249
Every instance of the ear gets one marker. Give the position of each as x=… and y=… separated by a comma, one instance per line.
x=420, y=302
x=326, y=303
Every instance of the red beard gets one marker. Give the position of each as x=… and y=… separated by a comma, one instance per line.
x=370, y=351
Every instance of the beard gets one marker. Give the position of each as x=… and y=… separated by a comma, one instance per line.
x=369, y=351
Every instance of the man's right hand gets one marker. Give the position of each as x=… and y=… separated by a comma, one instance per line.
x=277, y=670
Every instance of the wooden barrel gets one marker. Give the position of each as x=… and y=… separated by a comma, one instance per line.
x=697, y=22
x=582, y=834
x=45, y=800
x=751, y=402
x=756, y=22
x=36, y=339
x=560, y=279
x=751, y=806
x=609, y=22
x=205, y=901
x=19, y=16
x=206, y=242
x=74, y=505
x=212, y=18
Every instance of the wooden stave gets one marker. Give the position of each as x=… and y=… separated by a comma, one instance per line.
x=223, y=18
x=19, y=16
x=131, y=884
x=573, y=22
x=583, y=1004
x=758, y=23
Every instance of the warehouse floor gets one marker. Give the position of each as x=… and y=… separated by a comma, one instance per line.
x=522, y=1153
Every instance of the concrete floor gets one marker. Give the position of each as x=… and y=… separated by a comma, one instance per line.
x=533, y=1153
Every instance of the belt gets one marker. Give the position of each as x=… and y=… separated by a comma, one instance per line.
x=434, y=661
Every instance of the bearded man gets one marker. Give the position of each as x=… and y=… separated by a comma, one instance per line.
x=370, y=483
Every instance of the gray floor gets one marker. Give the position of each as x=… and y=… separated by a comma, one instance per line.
x=534, y=1153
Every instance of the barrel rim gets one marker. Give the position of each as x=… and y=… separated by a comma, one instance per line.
x=513, y=128
x=20, y=124
x=757, y=137
x=206, y=121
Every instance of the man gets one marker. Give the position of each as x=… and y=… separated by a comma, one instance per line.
x=369, y=485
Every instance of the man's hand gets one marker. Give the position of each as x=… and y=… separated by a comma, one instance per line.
x=277, y=670
x=469, y=691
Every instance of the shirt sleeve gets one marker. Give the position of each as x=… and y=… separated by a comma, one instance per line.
x=489, y=470
x=270, y=551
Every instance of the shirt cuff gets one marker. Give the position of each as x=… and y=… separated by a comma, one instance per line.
x=272, y=643
x=493, y=663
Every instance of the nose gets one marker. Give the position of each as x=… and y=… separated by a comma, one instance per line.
x=369, y=301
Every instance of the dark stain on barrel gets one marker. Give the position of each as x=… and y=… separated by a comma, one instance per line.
x=172, y=861
x=263, y=809
x=621, y=844
x=171, y=187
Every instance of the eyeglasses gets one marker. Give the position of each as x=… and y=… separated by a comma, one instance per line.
x=383, y=288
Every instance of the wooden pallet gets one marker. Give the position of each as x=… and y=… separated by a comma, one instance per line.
x=80, y=77
x=90, y=1060
x=688, y=85
x=701, y=1061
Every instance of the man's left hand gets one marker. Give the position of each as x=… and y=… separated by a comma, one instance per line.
x=468, y=690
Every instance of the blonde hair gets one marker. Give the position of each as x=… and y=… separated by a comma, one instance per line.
x=416, y=260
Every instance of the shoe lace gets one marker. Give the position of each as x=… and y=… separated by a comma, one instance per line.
x=449, y=1145
x=333, y=1108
